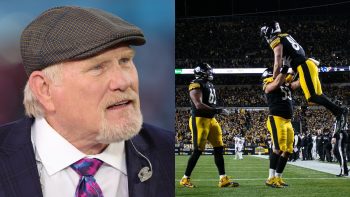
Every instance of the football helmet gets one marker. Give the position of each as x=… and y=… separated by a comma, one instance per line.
x=267, y=73
x=269, y=30
x=204, y=71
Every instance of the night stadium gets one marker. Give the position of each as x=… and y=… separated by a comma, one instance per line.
x=225, y=35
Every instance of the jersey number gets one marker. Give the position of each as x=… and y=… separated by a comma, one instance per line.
x=212, y=96
x=295, y=45
x=287, y=93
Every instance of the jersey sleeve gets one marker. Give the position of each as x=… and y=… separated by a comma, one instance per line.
x=194, y=85
x=289, y=78
x=275, y=42
x=267, y=81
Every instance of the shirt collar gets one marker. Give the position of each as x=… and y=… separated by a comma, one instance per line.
x=113, y=155
x=56, y=153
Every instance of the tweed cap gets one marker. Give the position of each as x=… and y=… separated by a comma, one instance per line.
x=73, y=33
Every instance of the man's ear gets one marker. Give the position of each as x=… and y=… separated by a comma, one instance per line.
x=40, y=86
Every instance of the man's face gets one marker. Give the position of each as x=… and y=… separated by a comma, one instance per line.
x=98, y=98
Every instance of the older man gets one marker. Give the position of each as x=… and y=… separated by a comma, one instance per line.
x=84, y=134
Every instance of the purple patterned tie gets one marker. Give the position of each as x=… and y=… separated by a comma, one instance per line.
x=87, y=168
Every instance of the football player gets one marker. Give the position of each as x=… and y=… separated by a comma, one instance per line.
x=284, y=46
x=239, y=143
x=279, y=100
x=237, y=147
x=204, y=126
x=339, y=141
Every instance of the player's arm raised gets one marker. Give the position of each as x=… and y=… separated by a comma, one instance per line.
x=276, y=83
x=278, y=50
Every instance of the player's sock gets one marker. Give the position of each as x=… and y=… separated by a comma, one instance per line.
x=272, y=173
x=219, y=159
x=192, y=161
x=221, y=176
x=278, y=174
x=273, y=164
x=326, y=102
x=185, y=176
x=281, y=165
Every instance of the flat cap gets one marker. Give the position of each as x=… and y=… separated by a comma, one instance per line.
x=72, y=33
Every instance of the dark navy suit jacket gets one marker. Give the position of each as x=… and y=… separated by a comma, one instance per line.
x=19, y=174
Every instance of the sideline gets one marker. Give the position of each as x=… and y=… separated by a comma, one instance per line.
x=331, y=168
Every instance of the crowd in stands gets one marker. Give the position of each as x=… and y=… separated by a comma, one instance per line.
x=252, y=96
x=255, y=79
x=235, y=41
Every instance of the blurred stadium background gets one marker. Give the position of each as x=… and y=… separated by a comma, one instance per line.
x=225, y=34
x=154, y=60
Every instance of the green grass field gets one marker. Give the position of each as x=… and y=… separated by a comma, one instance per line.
x=251, y=174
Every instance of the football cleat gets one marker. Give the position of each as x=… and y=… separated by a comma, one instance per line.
x=269, y=181
x=186, y=182
x=226, y=182
x=281, y=182
x=341, y=174
x=273, y=182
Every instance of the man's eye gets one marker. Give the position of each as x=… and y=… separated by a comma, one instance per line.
x=124, y=60
x=97, y=67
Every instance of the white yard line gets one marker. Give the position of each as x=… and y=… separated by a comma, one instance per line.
x=331, y=168
x=264, y=179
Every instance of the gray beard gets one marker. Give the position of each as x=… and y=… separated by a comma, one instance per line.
x=118, y=132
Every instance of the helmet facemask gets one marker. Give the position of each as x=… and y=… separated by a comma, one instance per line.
x=270, y=31
x=204, y=71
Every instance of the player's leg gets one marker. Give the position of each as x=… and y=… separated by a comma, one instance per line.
x=311, y=86
x=236, y=151
x=199, y=128
x=341, y=157
x=337, y=154
x=272, y=126
x=215, y=138
x=287, y=148
x=241, y=152
x=343, y=148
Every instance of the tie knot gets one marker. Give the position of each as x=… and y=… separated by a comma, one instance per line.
x=86, y=166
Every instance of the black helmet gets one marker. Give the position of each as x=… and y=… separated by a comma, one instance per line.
x=267, y=73
x=269, y=30
x=203, y=71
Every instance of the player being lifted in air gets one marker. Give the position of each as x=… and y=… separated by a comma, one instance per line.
x=279, y=100
x=284, y=46
x=204, y=126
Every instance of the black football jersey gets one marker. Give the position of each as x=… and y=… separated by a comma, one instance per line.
x=291, y=48
x=280, y=102
x=208, y=97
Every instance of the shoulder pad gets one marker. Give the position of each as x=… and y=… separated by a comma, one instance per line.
x=194, y=85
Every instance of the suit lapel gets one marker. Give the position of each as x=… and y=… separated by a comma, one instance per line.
x=18, y=169
x=135, y=163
